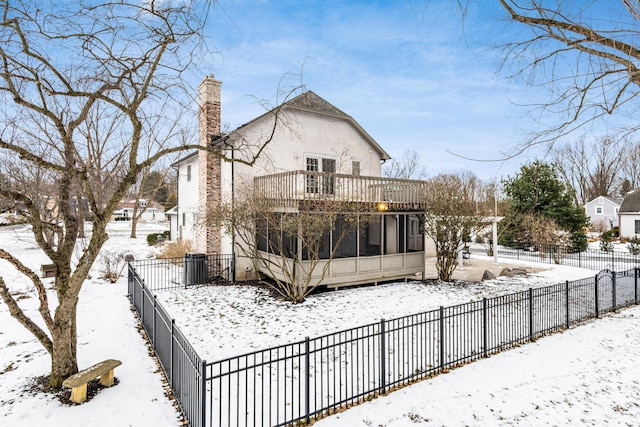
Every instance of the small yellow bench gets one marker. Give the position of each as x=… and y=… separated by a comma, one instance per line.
x=78, y=382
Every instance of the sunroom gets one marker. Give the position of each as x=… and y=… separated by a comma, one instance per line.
x=340, y=229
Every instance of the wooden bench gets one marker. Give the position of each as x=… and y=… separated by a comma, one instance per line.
x=78, y=382
x=49, y=270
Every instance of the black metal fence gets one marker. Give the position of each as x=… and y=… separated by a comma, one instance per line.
x=307, y=379
x=592, y=259
x=310, y=378
x=181, y=364
x=162, y=274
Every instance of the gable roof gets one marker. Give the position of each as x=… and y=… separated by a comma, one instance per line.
x=310, y=102
x=631, y=202
x=611, y=199
x=186, y=157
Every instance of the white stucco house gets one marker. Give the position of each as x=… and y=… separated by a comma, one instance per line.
x=603, y=212
x=315, y=152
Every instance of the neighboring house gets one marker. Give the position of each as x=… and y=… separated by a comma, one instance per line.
x=629, y=214
x=184, y=216
x=172, y=217
x=316, y=152
x=153, y=211
x=603, y=213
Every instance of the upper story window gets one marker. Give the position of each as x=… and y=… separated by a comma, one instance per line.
x=315, y=183
x=599, y=210
x=188, y=173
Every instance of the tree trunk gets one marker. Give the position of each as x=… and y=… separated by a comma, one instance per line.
x=64, y=359
x=134, y=220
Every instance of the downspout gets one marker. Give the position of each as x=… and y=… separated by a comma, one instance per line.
x=233, y=213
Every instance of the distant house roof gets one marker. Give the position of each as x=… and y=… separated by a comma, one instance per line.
x=310, y=102
x=631, y=202
x=611, y=199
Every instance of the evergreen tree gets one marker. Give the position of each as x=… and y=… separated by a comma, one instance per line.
x=172, y=200
x=538, y=191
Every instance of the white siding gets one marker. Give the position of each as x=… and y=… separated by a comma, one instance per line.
x=295, y=139
x=187, y=200
x=627, y=224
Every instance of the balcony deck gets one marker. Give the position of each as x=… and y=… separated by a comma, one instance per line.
x=288, y=189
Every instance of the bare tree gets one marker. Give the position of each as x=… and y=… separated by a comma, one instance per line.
x=293, y=247
x=163, y=135
x=588, y=63
x=630, y=169
x=592, y=169
x=408, y=166
x=71, y=73
x=452, y=216
x=546, y=234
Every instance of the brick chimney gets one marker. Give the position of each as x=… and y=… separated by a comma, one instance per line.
x=209, y=191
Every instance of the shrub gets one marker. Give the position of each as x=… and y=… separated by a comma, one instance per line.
x=605, y=243
x=113, y=263
x=634, y=245
x=176, y=249
x=614, y=232
x=155, y=238
x=152, y=239
x=579, y=242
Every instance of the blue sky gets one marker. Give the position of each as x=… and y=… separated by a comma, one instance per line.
x=411, y=73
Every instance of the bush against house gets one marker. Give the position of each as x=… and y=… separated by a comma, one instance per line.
x=293, y=248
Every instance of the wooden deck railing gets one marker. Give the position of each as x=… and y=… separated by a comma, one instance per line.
x=289, y=188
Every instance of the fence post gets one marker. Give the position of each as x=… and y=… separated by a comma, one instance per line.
x=485, y=333
x=203, y=393
x=614, y=290
x=154, y=320
x=635, y=284
x=442, y=362
x=307, y=386
x=129, y=280
x=597, y=302
x=530, y=314
x=133, y=289
x=383, y=364
x=173, y=322
x=579, y=259
x=566, y=291
x=142, y=303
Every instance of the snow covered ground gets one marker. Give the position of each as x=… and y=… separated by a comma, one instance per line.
x=587, y=375
x=227, y=321
x=106, y=329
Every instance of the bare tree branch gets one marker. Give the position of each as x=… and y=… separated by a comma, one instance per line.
x=590, y=66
